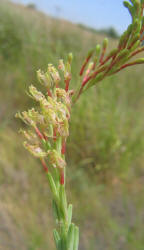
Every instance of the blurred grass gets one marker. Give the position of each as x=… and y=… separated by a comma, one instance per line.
x=105, y=149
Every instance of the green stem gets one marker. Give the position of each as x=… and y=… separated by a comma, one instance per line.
x=66, y=236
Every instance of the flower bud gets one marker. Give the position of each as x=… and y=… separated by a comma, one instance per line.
x=98, y=49
x=70, y=57
x=105, y=43
x=138, y=61
x=130, y=7
x=61, y=65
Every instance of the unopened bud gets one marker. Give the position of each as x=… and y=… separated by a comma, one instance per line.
x=90, y=66
x=138, y=61
x=136, y=25
x=105, y=43
x=70, y=57
x=130, y=7
x=98, y=49
x=135, y=45
x=137, y=6
x=113, y=53
x=90, y=53
x=133, y=40
x=61, y=65
x=67, y=72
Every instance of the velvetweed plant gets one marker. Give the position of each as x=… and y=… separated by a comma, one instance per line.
x=49, y=122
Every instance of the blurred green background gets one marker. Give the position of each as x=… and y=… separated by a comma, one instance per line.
x=105, y=151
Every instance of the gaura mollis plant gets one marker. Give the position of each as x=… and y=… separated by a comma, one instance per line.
x=48, y=123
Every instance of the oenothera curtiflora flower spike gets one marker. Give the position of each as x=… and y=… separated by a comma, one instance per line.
x=48, y=129
x=48, y=124
x=130, y=44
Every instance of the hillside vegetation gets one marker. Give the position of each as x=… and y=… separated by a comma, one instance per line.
x=105, y=150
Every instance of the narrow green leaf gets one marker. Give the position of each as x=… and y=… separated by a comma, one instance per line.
x=122, y=54
x=136, y=26
x=70, y=237
x=59, y=145
x=135, y=38
x=69, y=214
x=57, y=239
x=63, y=201
x=76, y=238
x=52, y=186
x=135, y=46
x=55, y=210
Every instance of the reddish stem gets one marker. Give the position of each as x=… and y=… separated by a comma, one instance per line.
x=63, y=150
x=67, y=84
x=49, y=93
x=126, y=65
x=102, y=55
x=84, y=65
x=85, y=80
x=136, y=52
x=44, y=165
x=62, y=179
x=40, y=135
x=45, y=137
x=54, y=134
x=107, y=58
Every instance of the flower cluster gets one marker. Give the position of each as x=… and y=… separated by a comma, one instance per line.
x=49, y=123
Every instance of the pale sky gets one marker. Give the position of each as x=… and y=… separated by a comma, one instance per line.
x=94, y=13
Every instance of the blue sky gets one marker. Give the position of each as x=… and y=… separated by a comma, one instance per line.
x=94, y=13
